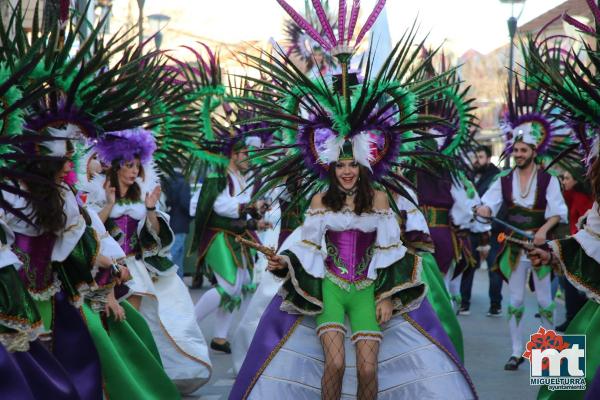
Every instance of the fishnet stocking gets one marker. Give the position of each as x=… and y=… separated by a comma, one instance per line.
x=366, y=367
x=335, y=364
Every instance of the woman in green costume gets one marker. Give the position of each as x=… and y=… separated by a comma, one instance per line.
x=131, y=364
x=578, y=257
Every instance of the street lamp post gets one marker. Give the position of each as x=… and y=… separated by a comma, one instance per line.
x=158, y=21
x=512, y=31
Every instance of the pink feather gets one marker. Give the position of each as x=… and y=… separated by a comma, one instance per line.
x=594, y=7
x=302, y=23
x=341, y=21
x=353, y=19
x=324, y=21
x=572, y=21
x=371, y=20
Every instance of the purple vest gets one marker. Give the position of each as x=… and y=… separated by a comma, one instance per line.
x=349, y=254
x=521, y=217
x=35, y=252
x=129, y=241
x=543, y=180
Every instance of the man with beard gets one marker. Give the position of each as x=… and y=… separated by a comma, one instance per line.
x=485, y=173
x=224, y=211
x=534, y=203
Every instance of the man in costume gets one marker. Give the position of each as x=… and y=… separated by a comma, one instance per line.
x=485, y=173
x=534, y=204
x=224, y=211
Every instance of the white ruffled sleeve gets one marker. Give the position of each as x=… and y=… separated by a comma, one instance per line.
x=75, y=227
x=462, y=208
x=555, y=202
x=229, y=206
x=108, y=246
x=7, y=257
x=310, y=250
x=415, y=220
x=493, y=197
x=388, y=246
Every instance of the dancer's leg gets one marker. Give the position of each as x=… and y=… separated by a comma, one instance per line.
x=367, y=352
x=335, y=365
x=516, y=288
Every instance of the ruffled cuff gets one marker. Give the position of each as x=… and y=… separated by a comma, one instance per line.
x=155, y=247
x=20, y=320
x=75, y=272
x=301, y=292
x=310, y=257
x=384, y=257
x=579, y=268
x=419, y=241
x=401, y=282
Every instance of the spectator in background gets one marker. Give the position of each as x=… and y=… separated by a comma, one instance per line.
x=579, y=201
x=485, y=174
x=177, y=190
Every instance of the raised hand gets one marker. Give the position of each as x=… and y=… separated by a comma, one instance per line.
x=111, y=193
x=152, y=197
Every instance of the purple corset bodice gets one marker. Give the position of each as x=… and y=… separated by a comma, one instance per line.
x=349, y=253
x=35, y=252
x=129, y=239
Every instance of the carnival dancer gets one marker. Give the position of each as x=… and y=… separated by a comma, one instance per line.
x=578, y=257
x=535, y=204
x=416, y=237
x=349, y=260
x=58, y=256
x=28, y=369
x=126, y=199
x=224, y=211
x=114, y=324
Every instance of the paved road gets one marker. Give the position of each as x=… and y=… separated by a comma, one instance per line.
x=487, y=348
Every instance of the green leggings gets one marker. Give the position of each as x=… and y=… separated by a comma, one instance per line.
x=359, y=305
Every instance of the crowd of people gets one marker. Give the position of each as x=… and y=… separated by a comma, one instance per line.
x=341, y=214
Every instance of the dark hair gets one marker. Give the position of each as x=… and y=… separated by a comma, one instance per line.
x=335, y=198
x=134, y=193
x=484, y=149
x=46, y=200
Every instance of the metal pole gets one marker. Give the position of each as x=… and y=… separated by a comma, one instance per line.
x=512, y=30
x=141, y=21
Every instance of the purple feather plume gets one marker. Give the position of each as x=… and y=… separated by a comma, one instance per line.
x=63, y=14
x=371, y=20
x=537, y=118
x=126, y=145
x=573, y=22
x=353, y=19
x=63, y=116
x=341, y=22
x=594, y=8
x=304, y=24
x=324, y=21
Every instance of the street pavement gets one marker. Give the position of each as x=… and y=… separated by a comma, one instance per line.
x=487, y=348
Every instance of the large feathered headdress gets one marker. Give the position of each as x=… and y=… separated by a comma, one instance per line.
x=317, y=123
x=572, y=83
